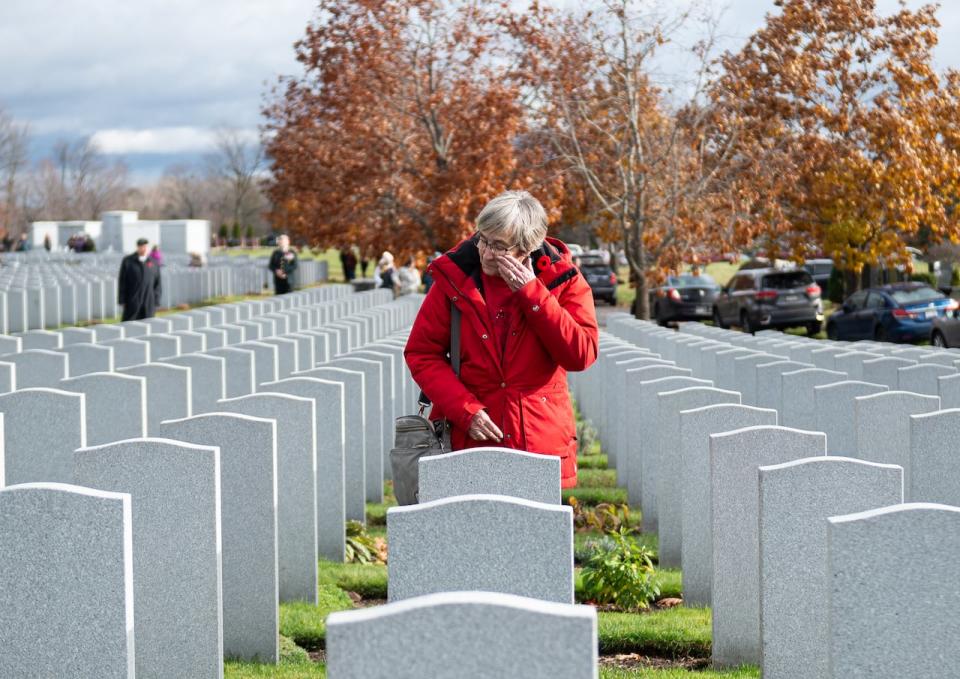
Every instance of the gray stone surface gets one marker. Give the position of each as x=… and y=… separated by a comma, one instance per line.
x=168, y=392
x=834, y=405
x=874, y=635
x=40, y=339
x=8, y=377
x=491, y=471
x=296, y=486
x=885, y=370
x=190, y=342
x=266, y=364
x=933, y=470
x=41, y=429
x=128, y=352
x=239, y=370
x=331, y=516
x=796, y=498
x=769, y=377
x=745, y=375
x=66, y=582
x=248, y=486
x=488, y=543
x=643, y=482
x=115, y=405
x=162, y=346
x=882, y=423
x=207, y=379
x=949, y=391
x=376, y=395
x=726, y=367
x=175, y=497
x=735, y=458
x=464, y=634
x=668, y=464
x=696, y=426
x=796, y=395
x=852, y=363
x=88, y=358
x=629, y=461
x=359, y=446
x=922, y=378
x=39, y=368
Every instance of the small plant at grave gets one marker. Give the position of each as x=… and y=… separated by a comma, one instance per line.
x=586, y=437
x=363, y=548
x=603, y=518
x=623, y=576
x=593, y=546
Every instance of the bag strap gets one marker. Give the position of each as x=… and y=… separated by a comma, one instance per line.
x=424, y=401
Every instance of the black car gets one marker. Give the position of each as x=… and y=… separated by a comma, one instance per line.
x=686, y=297
x=770, y=298
x=600, y=277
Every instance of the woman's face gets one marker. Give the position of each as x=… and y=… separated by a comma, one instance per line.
x=491, y=249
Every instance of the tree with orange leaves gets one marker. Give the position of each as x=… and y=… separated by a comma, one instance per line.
x=852, y=133
x=401, y=128
x=654, y=170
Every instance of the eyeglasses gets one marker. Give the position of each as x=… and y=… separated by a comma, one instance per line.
x=497, y=248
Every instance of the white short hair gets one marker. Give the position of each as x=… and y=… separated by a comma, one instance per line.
x=515, y=217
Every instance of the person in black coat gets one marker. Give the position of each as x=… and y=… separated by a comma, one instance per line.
x=139, y=284
x=283, y=264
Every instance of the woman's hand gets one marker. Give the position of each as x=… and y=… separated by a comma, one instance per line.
x=515, y=273
x=482, y=428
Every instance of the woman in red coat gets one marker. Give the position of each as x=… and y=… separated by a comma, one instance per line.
x=527, y=317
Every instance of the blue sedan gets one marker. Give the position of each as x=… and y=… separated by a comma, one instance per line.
x=901, y=312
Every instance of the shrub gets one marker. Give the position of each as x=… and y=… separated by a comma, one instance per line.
x=592, y=547
x=361, y=547
x=623, y=576
x=928, y=278
x=586, y=437
x=835, y=286
x=955, y=276
x=604, y=518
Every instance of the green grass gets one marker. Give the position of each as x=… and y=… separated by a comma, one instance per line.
x=294, y=664
x=596, y=461
x=671, y=633
x=597, y=478
x=367, y=580
x=647, y=673
x=595, y=496
x=305, y=623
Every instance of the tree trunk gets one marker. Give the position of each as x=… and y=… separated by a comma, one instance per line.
x=641, y=305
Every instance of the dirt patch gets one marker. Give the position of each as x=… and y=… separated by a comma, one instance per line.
x=630, y=661
x=318, y=656
x=360, y=602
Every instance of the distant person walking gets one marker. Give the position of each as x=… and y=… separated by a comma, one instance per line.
x=384, y=276
x=139, y=284
x=47, y=245
x=408, y=278
x=156, y=255
x=283, y=264
x=348, y=261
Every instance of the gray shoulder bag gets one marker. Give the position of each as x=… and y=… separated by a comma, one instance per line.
x=416, y=436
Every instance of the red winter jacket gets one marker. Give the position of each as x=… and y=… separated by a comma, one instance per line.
x=554, y=329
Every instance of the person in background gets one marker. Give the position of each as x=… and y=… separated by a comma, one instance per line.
x=427, y=275
x=364, y=263
x=47, y=245
x=87, y=244
x=384, y=276
x=156, y=255
x=138, y=286
x=283, y=264
x=527, y=317
x=348, y=261
x=23, y=244
x=408, y=278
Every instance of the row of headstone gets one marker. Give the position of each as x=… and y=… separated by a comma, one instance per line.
x=782, y=488
x=221, y=514
x=49, y=290
x=480, y=579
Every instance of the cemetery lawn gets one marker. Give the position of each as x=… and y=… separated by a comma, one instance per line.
x=658, y=673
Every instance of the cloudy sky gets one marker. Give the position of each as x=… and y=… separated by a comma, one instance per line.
x=150, y=79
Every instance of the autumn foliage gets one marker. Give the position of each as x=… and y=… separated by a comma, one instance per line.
x=401, y=128
x=829, y=132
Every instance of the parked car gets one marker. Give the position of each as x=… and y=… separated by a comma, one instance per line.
x=899, y=312
x=766, y=297
x=686, y=297
x=600, y=277
x=820, y=269
x=946, y=330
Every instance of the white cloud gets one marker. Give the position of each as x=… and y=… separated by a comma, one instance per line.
x=164, y=140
